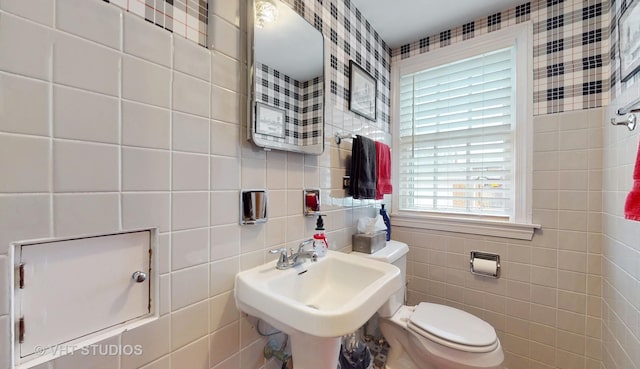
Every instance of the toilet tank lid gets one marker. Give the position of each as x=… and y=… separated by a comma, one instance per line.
x=393, y=251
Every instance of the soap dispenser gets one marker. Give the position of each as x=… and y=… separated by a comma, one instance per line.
x=387, y=221
x=320, y=244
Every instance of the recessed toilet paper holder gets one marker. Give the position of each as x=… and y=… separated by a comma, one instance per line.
x=485, y=264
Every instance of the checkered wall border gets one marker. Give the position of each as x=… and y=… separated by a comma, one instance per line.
x=301, y=100
x=351, y=37
x=570, y=50
x=350, y=34
x=187, y=18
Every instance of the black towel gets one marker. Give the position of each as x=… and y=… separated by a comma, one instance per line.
x=363, y=168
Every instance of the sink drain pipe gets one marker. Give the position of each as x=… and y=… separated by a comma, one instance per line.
x=271, y=350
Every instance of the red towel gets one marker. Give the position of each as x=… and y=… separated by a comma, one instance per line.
x=632, y=205
x=383, y=163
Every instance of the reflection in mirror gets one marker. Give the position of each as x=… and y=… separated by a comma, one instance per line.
x=253, y=206
x=311, y=201
x=286, y=84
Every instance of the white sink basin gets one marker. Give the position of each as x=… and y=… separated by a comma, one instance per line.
x=329, y=298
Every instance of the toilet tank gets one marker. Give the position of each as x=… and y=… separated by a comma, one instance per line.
x=395, y=252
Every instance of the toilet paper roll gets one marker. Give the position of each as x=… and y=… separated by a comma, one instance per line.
x=485, y=266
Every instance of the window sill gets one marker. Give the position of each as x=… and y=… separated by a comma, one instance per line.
x=463, y=225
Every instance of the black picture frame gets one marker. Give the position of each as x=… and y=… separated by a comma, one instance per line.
x=629, y=41
x=363, y=92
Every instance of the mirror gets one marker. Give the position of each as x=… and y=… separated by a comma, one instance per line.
x=286, y=79
x=253, y=206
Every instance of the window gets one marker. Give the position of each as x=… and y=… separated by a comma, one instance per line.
x=461, y=134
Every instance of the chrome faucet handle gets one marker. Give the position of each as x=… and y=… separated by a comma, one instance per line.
x=303, y=244
x=283, y=259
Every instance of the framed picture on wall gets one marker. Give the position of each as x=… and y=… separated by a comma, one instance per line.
x=629, y=41
x=363, y=91
x=270, y=120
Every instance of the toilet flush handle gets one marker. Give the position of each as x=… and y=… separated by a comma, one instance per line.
x=139, y=276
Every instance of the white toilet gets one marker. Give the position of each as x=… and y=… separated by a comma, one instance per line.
x=432, y=336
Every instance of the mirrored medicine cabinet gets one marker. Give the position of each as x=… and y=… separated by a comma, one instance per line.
x=286, y=82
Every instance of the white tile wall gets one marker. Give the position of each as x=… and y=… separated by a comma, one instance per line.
x=225, y=105
x=4, y=284
x=541, y=306
x=225, y=173
x=190, y=95
x=226, y=71
x=150, y=43
x=226, y=37
x=33, y=61
x=92, y=355
x=192, y=59
x=188, y=324
x=620, y=251
x=76, y=214
x=195, y=355
x=145, y=82
x=225, y=208
x=164, y=363
x=225, y=242
x=197, y=278
x=224, y=139
x=145, y=169
x=190, y=133
x=40, y=11
x=31, y=174
x=24, y=217
x=222, y=275
x=92, y=20
x=86, y=167
x=221, y=311
x=224, y=341
x=75, y=62
x=154, y=348
x=190, y=172
x=111, y=123
x=189, y=248
x=5, y=342
x=189, y=210
x=83, y=115
x=145, y=126
x=25, y=105
x=141, y=210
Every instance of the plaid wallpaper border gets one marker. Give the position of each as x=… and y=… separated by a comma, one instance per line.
x=570, y=50
x=187, y=18
x=302, y=98
x=351, y=37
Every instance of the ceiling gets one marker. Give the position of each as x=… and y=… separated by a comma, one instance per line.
x=402, y=21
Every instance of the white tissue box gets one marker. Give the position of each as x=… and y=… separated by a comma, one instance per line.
x=369, y=243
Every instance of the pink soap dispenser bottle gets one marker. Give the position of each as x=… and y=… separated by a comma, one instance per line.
x=320, y=244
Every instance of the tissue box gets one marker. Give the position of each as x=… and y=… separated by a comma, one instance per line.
x=369, y=243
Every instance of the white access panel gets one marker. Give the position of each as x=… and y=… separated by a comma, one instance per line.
x=73, y=288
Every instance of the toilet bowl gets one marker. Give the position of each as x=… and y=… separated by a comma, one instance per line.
x=432, y=336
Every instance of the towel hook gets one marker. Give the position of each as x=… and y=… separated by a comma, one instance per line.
x=630, y=122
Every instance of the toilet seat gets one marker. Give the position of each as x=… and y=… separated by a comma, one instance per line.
x=452, y=328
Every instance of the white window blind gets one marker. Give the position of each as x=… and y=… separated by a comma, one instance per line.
x=456, y=135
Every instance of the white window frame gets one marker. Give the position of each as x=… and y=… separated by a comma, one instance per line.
x=519, y=226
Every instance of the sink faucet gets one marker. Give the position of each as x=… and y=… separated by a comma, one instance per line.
x=291, y=259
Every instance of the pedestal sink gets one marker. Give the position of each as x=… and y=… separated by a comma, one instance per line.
x=316, y=303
